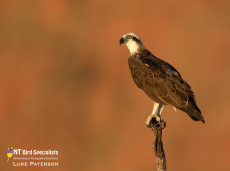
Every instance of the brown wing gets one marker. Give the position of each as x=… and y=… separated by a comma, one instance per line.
x=163, y=84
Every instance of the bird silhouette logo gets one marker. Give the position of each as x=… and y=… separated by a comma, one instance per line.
x=9, y=153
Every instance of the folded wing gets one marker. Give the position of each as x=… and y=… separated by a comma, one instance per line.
x=164, y=84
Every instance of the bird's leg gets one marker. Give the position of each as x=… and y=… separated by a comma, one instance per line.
x=155, y=117
x=152, y=115
x=161, y=106
x=160, y=122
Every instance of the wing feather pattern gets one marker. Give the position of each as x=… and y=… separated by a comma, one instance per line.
x=163, y=84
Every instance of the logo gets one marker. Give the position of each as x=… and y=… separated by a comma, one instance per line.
x=9, y=153
x=21, y=157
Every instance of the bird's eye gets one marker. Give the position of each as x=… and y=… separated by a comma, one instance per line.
x=128, y=37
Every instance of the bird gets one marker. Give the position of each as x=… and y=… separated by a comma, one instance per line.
x=160, y=81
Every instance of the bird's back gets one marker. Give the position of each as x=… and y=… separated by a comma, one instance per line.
x=163, y=83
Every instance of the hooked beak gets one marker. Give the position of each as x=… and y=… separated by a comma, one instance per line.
x=122, y=40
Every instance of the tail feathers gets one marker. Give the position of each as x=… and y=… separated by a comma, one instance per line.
x=197, y=119
x=193, y=111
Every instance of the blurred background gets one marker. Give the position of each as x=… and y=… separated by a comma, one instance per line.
x=65, y=82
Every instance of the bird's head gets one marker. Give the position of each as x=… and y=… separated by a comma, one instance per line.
x=132, y=41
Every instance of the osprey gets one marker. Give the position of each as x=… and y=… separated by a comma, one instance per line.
x=159, y=80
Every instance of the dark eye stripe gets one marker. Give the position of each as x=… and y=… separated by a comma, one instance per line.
x=134, y=38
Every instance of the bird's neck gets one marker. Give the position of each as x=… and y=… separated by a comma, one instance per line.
x=144, y=52
x=134, y=47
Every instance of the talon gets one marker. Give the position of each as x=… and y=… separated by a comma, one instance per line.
x=149, y=125
x=155, y=121
x=163, y=124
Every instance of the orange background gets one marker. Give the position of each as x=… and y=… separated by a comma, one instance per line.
x=65, y=83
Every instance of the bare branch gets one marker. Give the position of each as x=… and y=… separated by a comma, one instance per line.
x=158, y=145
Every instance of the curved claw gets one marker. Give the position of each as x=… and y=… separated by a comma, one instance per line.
x=162, y=124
